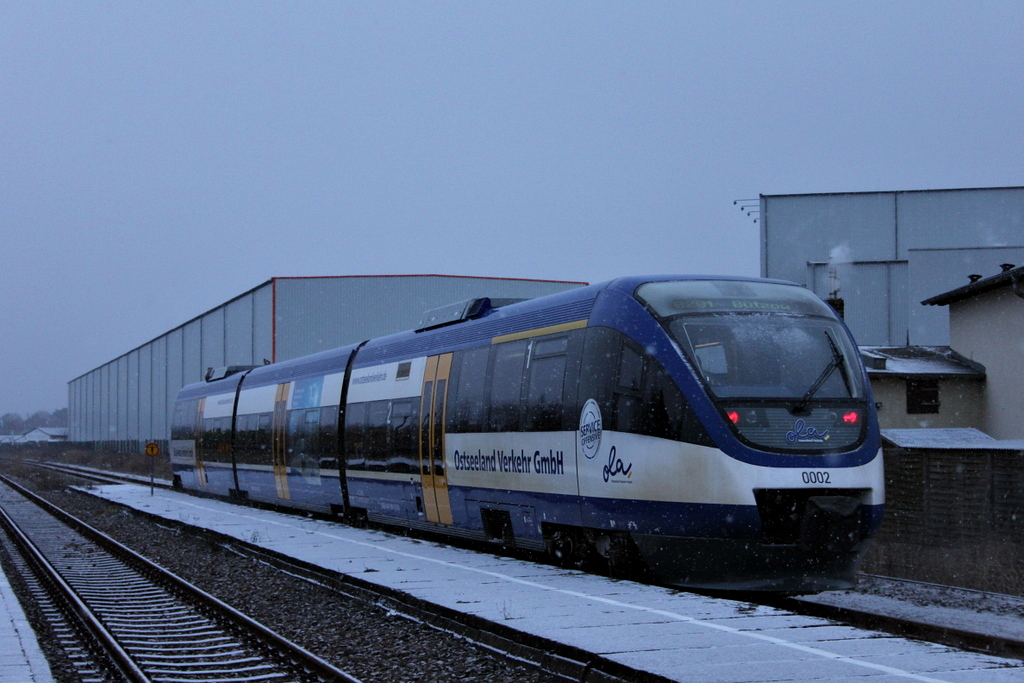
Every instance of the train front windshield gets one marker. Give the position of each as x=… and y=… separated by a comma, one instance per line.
x=758, y=344
x=757, y=340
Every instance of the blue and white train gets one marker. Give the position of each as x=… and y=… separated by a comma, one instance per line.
x=717, y=432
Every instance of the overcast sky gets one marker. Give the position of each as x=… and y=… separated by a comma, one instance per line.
x=157, y=159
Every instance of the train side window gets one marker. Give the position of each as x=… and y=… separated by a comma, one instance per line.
x=303, y=441
x=667, y=413
x=633, y=390
x=216, y=439
x=597, y=382
x=664, y=409
x=404, y=444
x=470, y=390
x=355, y=436
x=183, y=422
x=377, y=435
x=550, y=346
x=629, y=389
x=506, y=386
x=243, y=433
x=631, y=369
x=546, y=385
x=329, y=437
x=252, y=439
x=263, y=436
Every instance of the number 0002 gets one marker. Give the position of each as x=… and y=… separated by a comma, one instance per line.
x=816, y=478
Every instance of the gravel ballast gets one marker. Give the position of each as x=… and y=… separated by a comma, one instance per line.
x=371, y=643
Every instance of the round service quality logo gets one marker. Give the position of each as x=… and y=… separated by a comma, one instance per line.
x=590, y=429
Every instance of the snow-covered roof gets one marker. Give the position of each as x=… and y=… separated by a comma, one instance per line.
x=1011, y=276
x=918, y=361
x=966, y=438
x=46, y=434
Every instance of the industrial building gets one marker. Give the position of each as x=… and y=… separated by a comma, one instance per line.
x=126, y=402
x=878, y=255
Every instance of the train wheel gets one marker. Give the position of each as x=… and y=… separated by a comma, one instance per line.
x=567, y=546
x=357, y=518
x=623, y=558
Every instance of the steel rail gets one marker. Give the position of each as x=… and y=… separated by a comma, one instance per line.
x=85, y=616
x=296, y=654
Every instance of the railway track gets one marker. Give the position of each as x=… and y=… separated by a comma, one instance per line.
x=120, y=617
x=944, y=634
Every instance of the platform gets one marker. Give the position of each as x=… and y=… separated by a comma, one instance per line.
x=21, y=659
x=680, y=636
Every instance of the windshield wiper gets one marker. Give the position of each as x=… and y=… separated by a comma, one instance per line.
x=836, y=362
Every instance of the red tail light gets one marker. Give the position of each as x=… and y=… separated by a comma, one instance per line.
x=851, y=418
x=734, y=416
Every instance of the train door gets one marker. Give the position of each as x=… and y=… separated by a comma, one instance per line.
x=278, y=441
x=432, y=469
x=200, y=439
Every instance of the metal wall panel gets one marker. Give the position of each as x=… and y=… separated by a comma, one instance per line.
x=107, y=409
x=868, y=304
x=962, y=219
x=95, y=406
x=317, y=314
x=238, y=331
x=74, y=404
x=78, y=401
x=797, y=230
x=875, y=298
x=158, y=390
x=121, y=421
x=145, y=392
x=132, y=388
x=213, y=341
x=263, y=323
x=95, y=418
x=83, y=426
x=191, y=352
x=80, y=425
x=175, y=363
x=931, y=241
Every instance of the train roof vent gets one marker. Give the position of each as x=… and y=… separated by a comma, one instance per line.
x=214, y=374
x=455, y=313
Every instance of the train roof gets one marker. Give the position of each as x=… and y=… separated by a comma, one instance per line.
x=471, y=323
x=547, y=311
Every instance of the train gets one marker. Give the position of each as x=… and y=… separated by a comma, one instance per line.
x=712, y=433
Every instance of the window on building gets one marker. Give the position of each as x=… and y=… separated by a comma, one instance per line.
x=922, y=396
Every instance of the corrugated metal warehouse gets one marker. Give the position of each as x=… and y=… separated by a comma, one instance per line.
x=883, y=253
x=126, y=403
